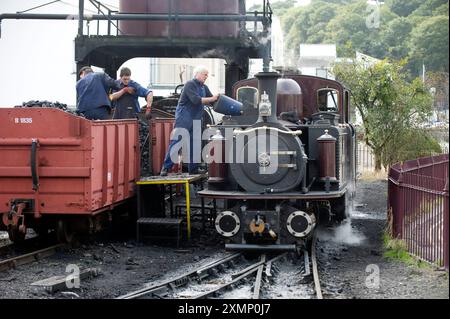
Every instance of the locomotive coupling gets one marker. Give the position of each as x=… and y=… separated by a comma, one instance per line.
x=257, y=225
x=15, y=217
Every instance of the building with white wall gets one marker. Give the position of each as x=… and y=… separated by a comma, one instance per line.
x=167, y=73
x=317, y=59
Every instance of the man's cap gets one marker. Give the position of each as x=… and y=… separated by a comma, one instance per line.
x=85, y=68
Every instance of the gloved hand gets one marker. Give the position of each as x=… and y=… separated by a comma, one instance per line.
x=128, y=89
x=148, y=115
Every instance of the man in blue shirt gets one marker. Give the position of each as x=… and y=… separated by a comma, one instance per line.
x=189, y=109
x=92, y=94
x=126, y=104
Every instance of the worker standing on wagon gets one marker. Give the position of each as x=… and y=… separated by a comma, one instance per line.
x=189, y=109
x=126, y=105
x=92, y=94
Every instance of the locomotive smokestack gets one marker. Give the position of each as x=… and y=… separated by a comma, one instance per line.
x=267, y=84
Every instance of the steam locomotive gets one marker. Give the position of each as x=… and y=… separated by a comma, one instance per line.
x=283, y=166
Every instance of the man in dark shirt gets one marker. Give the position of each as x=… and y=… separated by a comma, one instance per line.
x=126, y=105
x=189, y=109
x=92, y=94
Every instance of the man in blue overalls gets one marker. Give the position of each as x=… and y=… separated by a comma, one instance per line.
x=126, y=105
x=189, y=109
x=92, y=94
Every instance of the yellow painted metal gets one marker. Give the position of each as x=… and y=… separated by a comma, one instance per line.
x=188, y=210
x=186, y=181
x=157, y=181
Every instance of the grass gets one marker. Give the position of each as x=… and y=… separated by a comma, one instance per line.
x=395, y=249
x=373, y=175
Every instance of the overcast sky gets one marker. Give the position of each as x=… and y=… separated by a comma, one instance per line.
x=37, y=56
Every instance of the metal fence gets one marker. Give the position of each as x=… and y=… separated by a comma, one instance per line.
x=365, y=159
x=418, y=207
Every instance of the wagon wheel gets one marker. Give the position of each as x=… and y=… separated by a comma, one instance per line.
x=15, y=235
x=64, y=233
x=42, y=232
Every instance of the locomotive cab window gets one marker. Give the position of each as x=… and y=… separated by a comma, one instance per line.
x=327, y=100
x=248, y=96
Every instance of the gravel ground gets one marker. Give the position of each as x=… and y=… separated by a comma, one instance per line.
x=124, y=266
x=344, y=256
x=350, y=257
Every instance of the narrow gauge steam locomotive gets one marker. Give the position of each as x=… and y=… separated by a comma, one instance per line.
x=287, y=165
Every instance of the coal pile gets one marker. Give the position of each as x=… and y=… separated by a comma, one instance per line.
x=45, y=103
x=144, y=139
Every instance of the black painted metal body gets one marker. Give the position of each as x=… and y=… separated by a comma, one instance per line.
x=279, y=210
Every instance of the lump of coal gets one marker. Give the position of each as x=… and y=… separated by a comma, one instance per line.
x=45, y=103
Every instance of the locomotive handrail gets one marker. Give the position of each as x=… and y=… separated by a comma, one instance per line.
x=297, y=132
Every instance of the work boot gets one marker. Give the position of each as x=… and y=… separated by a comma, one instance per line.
x=197, y=171
x=164, y=172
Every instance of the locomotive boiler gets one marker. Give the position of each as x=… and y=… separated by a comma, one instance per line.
x=286, y=164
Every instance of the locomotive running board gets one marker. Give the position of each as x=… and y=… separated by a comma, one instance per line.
x=285, y=195
x=242, y=247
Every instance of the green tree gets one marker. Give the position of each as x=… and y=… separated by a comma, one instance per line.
x=412, y=29
x=432, y=8
x=403, y=8
x=353, y=24
x=387, y=103
x=308, y=24
x=395, y=38
x=429, y=44
x=339, y=2
x=441, y=10
x=279, y=8
x=411, y=144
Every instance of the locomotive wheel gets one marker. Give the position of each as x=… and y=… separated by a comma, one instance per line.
x=64, y=233
x=15, y=235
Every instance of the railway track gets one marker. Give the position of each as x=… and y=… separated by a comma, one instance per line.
x=10, y=247
x=27, y=257
x=233, y=276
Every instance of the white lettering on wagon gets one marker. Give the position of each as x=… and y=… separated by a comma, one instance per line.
x=23, y=120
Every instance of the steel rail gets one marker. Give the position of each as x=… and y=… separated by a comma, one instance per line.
x=317, y=287
x=172, y=284
x=13, y=262
x=257, y=288
x=249, y=271
x=5, y=249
